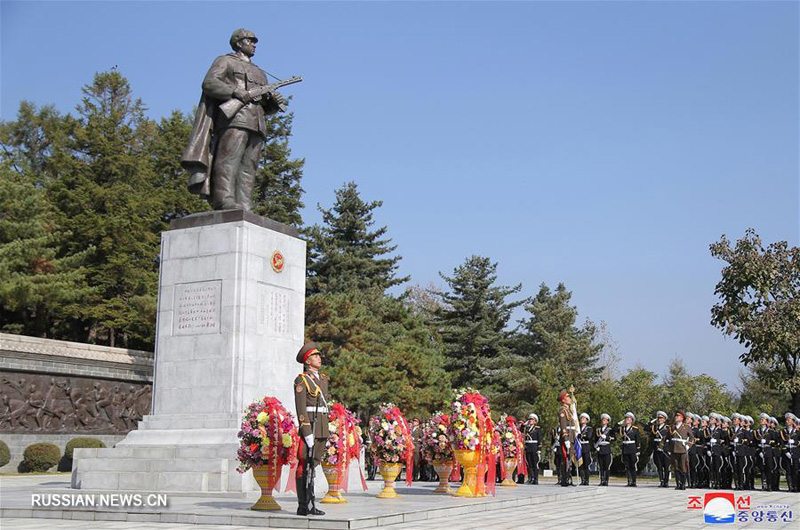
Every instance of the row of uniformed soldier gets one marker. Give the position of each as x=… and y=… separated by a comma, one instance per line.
x=703, y=452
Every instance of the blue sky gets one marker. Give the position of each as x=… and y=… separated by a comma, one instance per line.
x=600, y=144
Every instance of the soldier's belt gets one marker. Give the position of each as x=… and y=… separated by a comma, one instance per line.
x=531, y=442
x=657, y=439
x=629, y=441
x=319, y=410
x=603, y=443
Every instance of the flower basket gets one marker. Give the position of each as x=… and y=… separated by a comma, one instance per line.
x=436, y=448
x=513, y=449
x=391, y=446
x=343, y=445
x=471, y=429
x=268, y=441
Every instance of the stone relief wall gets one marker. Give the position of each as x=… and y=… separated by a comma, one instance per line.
x=50, y=404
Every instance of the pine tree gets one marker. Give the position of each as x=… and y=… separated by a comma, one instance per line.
x=472, y=322
x=377, y=350
x=278, y=191
x=106, y=199
x=40, y=291
x=345, y=253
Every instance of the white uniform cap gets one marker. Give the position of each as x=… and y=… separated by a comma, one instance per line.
x=736, y=415
x=606, y=416
x=704, y=418
x=533, y=416
x=630, y=415
x=726, y=419
x=763, y=416
x=662, y=414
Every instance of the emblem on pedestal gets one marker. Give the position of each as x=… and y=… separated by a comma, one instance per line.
x=277, y=261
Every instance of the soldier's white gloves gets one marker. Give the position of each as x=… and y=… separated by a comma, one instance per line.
x=788, y=455
x=309, y=441
x=602, y=436
x=708, y=453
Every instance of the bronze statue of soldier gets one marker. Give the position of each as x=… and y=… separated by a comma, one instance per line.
x=223, y=150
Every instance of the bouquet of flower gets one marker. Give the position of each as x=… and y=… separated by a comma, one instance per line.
x=510, y=437
x=391, y=438
x=472, y=428
x=268, y=435
x=344, y=440
x=435, y=441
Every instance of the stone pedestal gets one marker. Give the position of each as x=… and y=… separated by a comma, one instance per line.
x=230, y=321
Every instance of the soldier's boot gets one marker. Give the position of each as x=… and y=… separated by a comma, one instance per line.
x=312, y=509
x=302, y=502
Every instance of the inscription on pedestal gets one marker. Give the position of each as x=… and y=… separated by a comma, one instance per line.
x=197, y=308
x=272, y=315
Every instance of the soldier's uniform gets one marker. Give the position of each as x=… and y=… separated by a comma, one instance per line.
x=566, y=449
x=604, y=437
x=660, y=435
x=311, y=405
x=790, y=438
x=748, y=452
x=586, y=440
x=738, y=451
x=776, y=454
x=765, y=458
x=631, y=439
x=555, y=444
x=681, y=438
x=725, y=442
x=533, y=441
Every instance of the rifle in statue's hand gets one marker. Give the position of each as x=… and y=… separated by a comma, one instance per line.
x=232, y=106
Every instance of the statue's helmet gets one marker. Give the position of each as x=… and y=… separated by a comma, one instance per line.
x=240, y=34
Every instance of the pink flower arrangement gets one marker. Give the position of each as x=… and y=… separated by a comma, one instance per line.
x=468, y=427
x=435, y=441
x=268, y=435
x=391, y=437
x=344, y=438
x=510, y=437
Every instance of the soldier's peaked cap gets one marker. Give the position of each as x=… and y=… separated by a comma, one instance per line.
x=681, y=414
x=763, y=416
x=533, y=416
x=736, y=415
x=661, y=413
x=704, y=418
x=242, y=33
x=790, y=415
x=606, y=416
x=584, y=414
x=306, y=351
x=630, y=415
x=562, y=395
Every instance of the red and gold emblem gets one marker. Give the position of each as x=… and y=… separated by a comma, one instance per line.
x=277, y=261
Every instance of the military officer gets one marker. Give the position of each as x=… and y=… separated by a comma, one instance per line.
x=659, y=430
x=693, y=420
x=533, y=440
x=790, y=438
x=311, y=405
x=566, y=425
x=586, y=440
x=555, y=444
x=725, y=443
x=704, y=452
x=631, y=440
x=681, y=438
x=604, y=437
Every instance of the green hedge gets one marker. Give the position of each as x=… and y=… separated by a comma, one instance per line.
x=40, y=457
x=5, y=454
x=82, y=443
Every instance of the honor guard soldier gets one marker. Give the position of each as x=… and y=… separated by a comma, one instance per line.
x=586, y=440
x=725, y=443
x=790, y=438
x=739, y=450
x=659, y=430
x=555, y=444
x=693, y=420
x=714, y=451
x=604, y=437
x=748, y=451
x=705, y=453
x=566, y=425
x=681, y=438
x=631, y=440
x=533, y=441
x=765, y=441
x=311, y=404
x=776, y=453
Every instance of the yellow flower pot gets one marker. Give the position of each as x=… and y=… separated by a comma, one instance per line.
x=510, y=464
x=468, y=459
x=443, y=469
x=266, y=477
x=389, y=473
x=333, y=474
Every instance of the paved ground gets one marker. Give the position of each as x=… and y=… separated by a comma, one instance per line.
x=646, y=507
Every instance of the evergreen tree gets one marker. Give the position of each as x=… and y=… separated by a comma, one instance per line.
x=277, y=189
x=106, y=199
x=472, y=322
x=345, y=253
x=377, y=350
x=40, y=291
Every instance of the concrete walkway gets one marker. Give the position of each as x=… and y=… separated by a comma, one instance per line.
x=544, y=506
